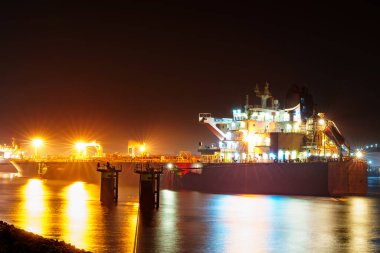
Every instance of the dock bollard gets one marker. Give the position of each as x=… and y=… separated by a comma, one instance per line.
x=149, y=195
x=109, y=186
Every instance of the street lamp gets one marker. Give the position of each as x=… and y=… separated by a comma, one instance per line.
x=143, y=150
x=81, y=149
x=37, y=142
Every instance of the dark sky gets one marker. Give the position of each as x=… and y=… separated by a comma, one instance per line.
x=144, y=71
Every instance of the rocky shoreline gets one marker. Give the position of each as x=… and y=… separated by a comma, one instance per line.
x=13, y=239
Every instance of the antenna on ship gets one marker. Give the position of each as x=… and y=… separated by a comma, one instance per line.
x=257, y=90
x=263, y=95
x=266, y=90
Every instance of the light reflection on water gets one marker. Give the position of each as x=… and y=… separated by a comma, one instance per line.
x=71, y=211
x=258, y=223
x=361, y=219
x=193, y=221
x=242, y=222
x=33, y=207
x=169, y=226
x=77, y=215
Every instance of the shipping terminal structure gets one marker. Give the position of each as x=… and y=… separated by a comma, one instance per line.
x=262, y=149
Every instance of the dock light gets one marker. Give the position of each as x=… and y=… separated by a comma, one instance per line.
x=280, y=154
x=196, y=165
x=81, y=149
x=169, y=166
x=142, y=148
x=250, y=138
x=37, y=143
x=359, y=154
x=80, y=146
x=321, y=122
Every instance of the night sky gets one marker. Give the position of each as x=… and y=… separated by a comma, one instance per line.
x=144, y=71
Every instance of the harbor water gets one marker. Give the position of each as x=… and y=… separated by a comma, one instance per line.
x=192, y=221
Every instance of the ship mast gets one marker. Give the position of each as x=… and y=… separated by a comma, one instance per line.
x=263, y=95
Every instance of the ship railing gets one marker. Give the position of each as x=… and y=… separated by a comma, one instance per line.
x=187, y=160
x=297, y=160
x=223, y=120
x=204, y=115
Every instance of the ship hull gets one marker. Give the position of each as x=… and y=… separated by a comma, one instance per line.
x=314, y=179
x=7, y=170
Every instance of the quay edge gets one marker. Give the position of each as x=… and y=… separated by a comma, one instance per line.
x=314, y=179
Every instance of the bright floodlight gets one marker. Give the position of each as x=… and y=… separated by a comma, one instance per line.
x=321, y=122
x=80, y=146
x=142, y=148
x=359, y=154
x=37, y=142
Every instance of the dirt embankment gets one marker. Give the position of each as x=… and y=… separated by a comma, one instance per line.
x=17, y=240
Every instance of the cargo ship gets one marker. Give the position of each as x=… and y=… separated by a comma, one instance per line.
x=267, y=149
x=7, y=169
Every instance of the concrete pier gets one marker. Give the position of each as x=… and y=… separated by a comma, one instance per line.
x=149, y=194
x=109, y=186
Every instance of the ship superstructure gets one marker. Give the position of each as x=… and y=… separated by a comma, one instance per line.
x=268, y=133
x=9, y=152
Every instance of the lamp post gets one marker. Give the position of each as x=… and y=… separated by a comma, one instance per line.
x=37, y=142
x=143, y=150
x=81, y=150
x=322, y=123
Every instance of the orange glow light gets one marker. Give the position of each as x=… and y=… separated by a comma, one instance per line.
x=37, y=142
